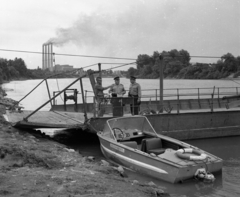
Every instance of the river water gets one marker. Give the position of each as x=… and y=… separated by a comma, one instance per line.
x=227, y=148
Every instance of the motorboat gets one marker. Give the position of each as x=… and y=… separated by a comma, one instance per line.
x=133, y=143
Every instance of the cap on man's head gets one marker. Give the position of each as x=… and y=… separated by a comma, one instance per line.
x=116, y=78
x=132, y=77
x=98, y=77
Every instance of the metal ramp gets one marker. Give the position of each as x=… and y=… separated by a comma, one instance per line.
x=45, y=119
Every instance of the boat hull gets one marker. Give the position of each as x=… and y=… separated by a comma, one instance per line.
x=173, y=170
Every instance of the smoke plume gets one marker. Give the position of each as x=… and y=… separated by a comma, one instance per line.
x=117, y=33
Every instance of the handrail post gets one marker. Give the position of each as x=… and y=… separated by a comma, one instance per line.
x=161, y=83
x=237, y=90
x=212, y=104
x=94, y=107
x=86, y=96
x=54, y=101
x=49, y=95
x=178, y=102
x=83, y=100
x=156, y=94
x=212, y=98
x=198, y=94
x=219, y=98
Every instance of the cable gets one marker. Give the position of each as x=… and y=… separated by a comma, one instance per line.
x=113, y=63
x=120, y=66
x=234, y=81
x=195, y=56
x=103, y=57
x=73, y=55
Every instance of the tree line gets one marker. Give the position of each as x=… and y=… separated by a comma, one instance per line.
x=17, y=70
x=176, y=64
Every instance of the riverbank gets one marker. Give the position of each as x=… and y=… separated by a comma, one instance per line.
x=32, y=164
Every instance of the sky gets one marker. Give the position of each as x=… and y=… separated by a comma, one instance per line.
x=118, y=28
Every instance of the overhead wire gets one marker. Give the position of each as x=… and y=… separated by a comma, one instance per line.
x=95, y=56
x=121, y=66
x=72, y=55
x=233, y=80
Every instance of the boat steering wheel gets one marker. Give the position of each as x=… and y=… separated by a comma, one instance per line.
x=118, y=129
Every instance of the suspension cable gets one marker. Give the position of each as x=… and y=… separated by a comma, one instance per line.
x=103, y=57
x=72, y=55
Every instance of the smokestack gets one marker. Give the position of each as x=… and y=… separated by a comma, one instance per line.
x=51, y=57
x=47, y=56
x=43, y=65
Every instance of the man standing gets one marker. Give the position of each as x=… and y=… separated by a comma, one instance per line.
x=117, y=89
x=98, y=89
x=135, y=92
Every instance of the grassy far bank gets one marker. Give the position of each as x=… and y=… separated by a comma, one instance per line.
x=34, y=165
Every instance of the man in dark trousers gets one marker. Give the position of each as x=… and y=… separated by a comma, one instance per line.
x=98, y=89
x=135, y=93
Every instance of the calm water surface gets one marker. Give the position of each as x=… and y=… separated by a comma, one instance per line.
x=227, y=184
x=18, y=89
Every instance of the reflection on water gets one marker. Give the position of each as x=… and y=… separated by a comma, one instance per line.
x=228, y=149
x=225, y=185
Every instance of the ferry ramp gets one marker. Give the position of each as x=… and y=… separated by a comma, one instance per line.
x=45, y=119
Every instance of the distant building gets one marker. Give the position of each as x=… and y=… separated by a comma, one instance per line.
x=117, y=72
x=65, y=67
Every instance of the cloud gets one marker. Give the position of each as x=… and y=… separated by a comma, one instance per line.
x=143, y=27
x=139, y=25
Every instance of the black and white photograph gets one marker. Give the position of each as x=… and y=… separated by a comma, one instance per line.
x=114, y=98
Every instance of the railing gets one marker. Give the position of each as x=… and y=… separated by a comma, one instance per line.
x=176, y=101
x=191, y=93
x=175, y=94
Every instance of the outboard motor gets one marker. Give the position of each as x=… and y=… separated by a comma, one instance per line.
x=202, y=175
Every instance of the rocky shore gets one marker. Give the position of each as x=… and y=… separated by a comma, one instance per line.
x=34, y=165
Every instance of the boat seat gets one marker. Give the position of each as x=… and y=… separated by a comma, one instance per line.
x=152, y=145
x=131, y=144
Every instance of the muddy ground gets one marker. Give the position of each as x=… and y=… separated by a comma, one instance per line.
x=34, y=165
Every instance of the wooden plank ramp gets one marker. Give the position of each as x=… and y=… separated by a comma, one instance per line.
x=45, y=119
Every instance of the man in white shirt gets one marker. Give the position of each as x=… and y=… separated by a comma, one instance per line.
x=117, y=89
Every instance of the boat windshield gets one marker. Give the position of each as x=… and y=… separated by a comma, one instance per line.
x=139, y=124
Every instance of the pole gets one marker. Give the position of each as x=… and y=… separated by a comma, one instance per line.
x=100, y=70
x=49, y=95
x=161, y=83
x=49, y=56
x=83, y=100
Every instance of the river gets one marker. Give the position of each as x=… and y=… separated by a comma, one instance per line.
x=225, y=185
